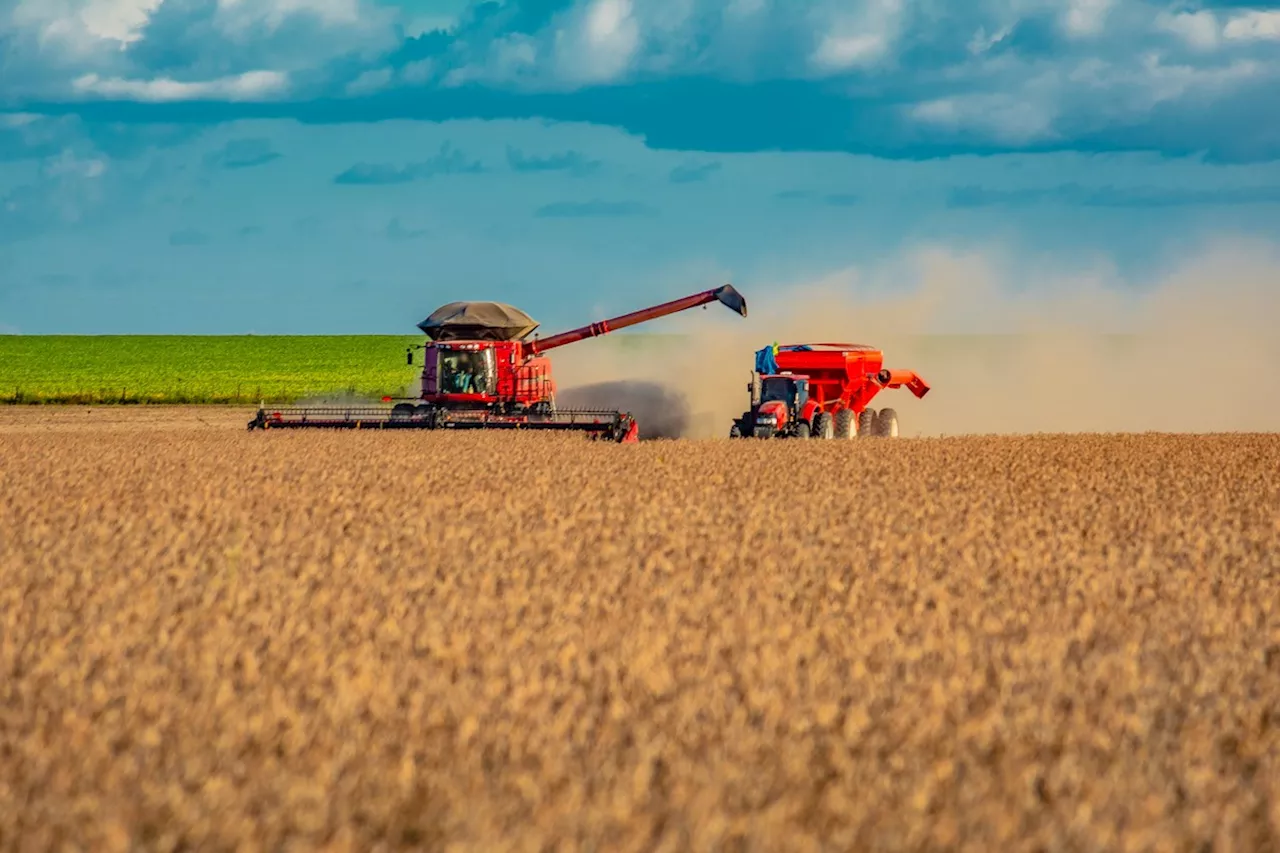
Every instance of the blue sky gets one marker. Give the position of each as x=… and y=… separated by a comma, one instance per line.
x=223, y=166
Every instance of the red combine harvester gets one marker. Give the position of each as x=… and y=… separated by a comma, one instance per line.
x=479, y=372
x=821, y=390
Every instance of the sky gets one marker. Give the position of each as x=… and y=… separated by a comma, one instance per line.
x=346, y=166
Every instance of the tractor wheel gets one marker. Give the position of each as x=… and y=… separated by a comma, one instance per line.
x=802, y=430
x=735, y=431
x=887, y=424
x=844, y=425
x=402, y=411
x=823, y=426
x=866, y=423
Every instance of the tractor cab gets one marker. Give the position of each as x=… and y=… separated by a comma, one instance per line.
x=780, y=406
x=791, y=391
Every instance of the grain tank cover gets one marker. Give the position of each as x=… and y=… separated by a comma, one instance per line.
x=477, y=321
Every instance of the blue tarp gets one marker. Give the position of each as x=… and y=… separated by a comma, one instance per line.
x=765, y=363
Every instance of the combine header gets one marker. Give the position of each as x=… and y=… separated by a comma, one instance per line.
x=480, y=372
x=823, y=391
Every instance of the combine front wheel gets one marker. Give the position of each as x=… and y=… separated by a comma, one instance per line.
x=844, y=424
x=822, y=425
x=402, y=411
x=887, y=424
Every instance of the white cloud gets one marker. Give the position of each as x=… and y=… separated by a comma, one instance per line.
x=82, y=24
x=14, y=120
x=68, y=164
x=239, y=15
x=369, y=82
x=1254, y=25
x=601, y=44
x=1086, y=17
x=1015, y=118
x=1197, y=29
x=859, y=40
x=252, y=85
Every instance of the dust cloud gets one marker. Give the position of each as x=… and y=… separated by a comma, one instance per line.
x=661, y=411
x=1007, y=347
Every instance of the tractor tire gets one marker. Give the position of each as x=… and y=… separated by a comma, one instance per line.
x=887, y=423
x=823, y=426
x=735, y=431
x=844, y=424
x=866, y=423
x=802, y=430
x=402, y=412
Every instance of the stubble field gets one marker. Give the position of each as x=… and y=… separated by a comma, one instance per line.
x=216, y=640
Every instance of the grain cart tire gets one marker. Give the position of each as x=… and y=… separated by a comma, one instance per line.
x=844, y=424
x=887, y=423
x=802, y=430
x=402, y=411
x=823, y=426
x=866, y=423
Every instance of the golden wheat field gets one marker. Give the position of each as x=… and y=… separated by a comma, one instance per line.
x=217, y=640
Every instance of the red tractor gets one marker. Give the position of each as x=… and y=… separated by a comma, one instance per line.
x=822, y=391
x=480, y=372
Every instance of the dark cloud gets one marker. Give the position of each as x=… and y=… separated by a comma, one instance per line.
x=374, y=174
x=833, y=199
x=450, y=161
x=574, y=162
x=242, y=154
x=592, y=209
x=398, y=232
x=1081, y=196
x=689, y=174
x=188, y=237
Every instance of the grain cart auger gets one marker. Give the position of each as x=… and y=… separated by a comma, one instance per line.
x=480, y=371
x=822, y=391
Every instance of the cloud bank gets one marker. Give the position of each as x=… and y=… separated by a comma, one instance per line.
x=906, y=79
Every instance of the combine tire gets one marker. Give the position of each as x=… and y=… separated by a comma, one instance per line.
x=867, y=423
x=887, y=424
x=823, y=426
x=844, y=425
x=402, y=412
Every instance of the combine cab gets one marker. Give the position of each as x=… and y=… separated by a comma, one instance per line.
x=822, y=391
x=479, y=371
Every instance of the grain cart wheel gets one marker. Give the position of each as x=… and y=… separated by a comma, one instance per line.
x=844, y=424
x=887, y=424
x=866, y=423
x=402, y=411
x=823, y=426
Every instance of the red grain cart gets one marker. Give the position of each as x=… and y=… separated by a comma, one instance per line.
x=480, y=372
x=822, y=391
